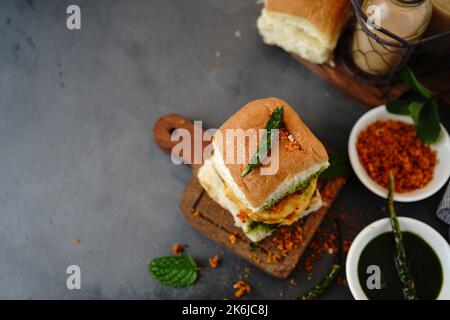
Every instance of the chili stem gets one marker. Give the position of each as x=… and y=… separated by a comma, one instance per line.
x=401, y=261
x=323, y=285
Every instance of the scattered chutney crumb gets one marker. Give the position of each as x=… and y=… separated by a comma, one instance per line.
x=341, y=281
x=288, y=141
x=76, y=241
x=214, y=261
x=242, y=288
x=273, y=257
x=242, y=216
x=232, y=239
x=287, y=238
x=177, y=248
x=346, y=245
x=256, y=259
x=323, y=243
x=292, y=282
x=326, y=242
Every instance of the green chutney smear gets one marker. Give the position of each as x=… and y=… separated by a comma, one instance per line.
x=425, y=265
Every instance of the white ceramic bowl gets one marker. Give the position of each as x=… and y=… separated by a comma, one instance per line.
x=431, y=236
x=441, y=171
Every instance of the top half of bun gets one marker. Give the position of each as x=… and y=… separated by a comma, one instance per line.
x=258, y=188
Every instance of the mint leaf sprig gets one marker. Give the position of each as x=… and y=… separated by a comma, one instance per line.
x=423, y=110
x=175, y=271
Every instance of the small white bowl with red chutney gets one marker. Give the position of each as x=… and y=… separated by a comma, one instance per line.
x=381, y=142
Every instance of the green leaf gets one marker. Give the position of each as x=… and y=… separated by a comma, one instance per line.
x=398, y=106
x=339, y=166
x=422, y=109
x=274, y=122
x=411, y=81
x=414, y=110
x=175, y=271
x=428, y=125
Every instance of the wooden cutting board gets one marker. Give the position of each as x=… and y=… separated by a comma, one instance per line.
x=272, y=254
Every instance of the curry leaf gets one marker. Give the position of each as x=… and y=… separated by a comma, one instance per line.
x=275, y=122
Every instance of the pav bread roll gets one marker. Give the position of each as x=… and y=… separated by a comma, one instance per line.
x=261, y=203
x=308, y=28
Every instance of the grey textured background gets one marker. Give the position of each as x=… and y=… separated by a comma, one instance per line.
x=76, y=156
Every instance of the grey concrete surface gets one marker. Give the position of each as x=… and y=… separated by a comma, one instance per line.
x=76, y=156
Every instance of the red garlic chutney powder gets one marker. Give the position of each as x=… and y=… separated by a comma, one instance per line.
x=389, y=145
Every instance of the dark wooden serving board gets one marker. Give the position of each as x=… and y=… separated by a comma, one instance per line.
x=216, y=223
x=433, y=71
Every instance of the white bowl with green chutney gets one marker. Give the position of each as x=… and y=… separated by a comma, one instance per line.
x=370, y=266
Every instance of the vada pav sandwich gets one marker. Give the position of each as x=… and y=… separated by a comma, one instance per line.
x=260, y=203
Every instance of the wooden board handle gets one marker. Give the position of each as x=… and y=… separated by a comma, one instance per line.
x=166, y=126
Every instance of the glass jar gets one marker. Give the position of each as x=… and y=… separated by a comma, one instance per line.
x=408, y=19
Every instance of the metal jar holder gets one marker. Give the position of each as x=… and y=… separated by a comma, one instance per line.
x=404, y=48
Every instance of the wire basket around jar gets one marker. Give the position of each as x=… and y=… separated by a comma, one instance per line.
x=386, y=48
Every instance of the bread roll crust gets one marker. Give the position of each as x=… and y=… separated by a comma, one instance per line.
x=328, y=16
x=255, y=115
